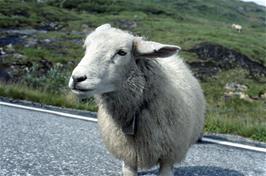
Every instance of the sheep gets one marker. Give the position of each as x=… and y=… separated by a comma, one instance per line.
x=237, y=27
x=150, y=107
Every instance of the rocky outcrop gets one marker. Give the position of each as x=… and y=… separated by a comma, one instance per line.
x=233, y=89
x=214, y=58
x=125, y=24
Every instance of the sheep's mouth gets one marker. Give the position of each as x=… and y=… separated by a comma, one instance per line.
x=75, y=90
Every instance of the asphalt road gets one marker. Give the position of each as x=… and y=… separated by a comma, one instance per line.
x=33, y=143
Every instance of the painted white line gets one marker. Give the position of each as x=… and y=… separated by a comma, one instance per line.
x=204, y=139
x=63, y=114
x=232, y=144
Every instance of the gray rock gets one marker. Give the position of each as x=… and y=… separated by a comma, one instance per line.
x=47, y=40
x=24, y=31
x=31, y=42
x=263, y=96
x=19, y=56
x=125, y=24
x=2, y=52
x=232, y=86
x=10, y=48
x=86, y=29
x=233, y=89
x=4, y=76
x=50, y=26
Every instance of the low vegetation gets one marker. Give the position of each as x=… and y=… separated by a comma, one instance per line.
x=41, y=72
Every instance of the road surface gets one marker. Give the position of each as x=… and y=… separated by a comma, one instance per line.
x=34, y=143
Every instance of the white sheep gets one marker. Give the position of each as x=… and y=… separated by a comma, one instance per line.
x=151, y=108
x=237, y=27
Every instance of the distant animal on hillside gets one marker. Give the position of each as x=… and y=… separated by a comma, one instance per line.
x=237, y=27
x=150, y=106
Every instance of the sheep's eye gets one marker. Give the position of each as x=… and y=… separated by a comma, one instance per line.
x=121, y=53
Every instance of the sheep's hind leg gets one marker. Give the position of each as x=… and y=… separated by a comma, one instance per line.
x=129, y=170
x=166, y=169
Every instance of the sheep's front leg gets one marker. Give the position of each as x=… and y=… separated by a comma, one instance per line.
x=166, y=169
x=129, y=170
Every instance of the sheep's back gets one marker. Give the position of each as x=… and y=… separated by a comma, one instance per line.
x=188, y=96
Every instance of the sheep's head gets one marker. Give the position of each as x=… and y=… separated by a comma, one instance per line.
x=110, y=54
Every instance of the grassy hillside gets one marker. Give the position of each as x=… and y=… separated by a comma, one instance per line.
x=40, y=63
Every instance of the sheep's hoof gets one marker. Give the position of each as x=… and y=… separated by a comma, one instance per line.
x=166, y=170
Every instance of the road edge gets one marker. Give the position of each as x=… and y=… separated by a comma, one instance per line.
x=221, y=139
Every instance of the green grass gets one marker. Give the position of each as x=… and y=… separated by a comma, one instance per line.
x=64, y=99
x=23, y=14
x=235, y=116
x=184, y=23
x=236, y=124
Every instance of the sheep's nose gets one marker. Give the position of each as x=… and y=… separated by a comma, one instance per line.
x=77, y=79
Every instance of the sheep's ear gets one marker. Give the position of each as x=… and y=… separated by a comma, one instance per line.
x=103, y=27
x=153, y=49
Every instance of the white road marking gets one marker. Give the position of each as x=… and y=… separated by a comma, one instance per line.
x=63, y=114
x=233, y=144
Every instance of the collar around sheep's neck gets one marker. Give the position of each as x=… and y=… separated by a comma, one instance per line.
x=131, y=127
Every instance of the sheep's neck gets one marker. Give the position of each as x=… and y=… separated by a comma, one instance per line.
x=125, y=104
